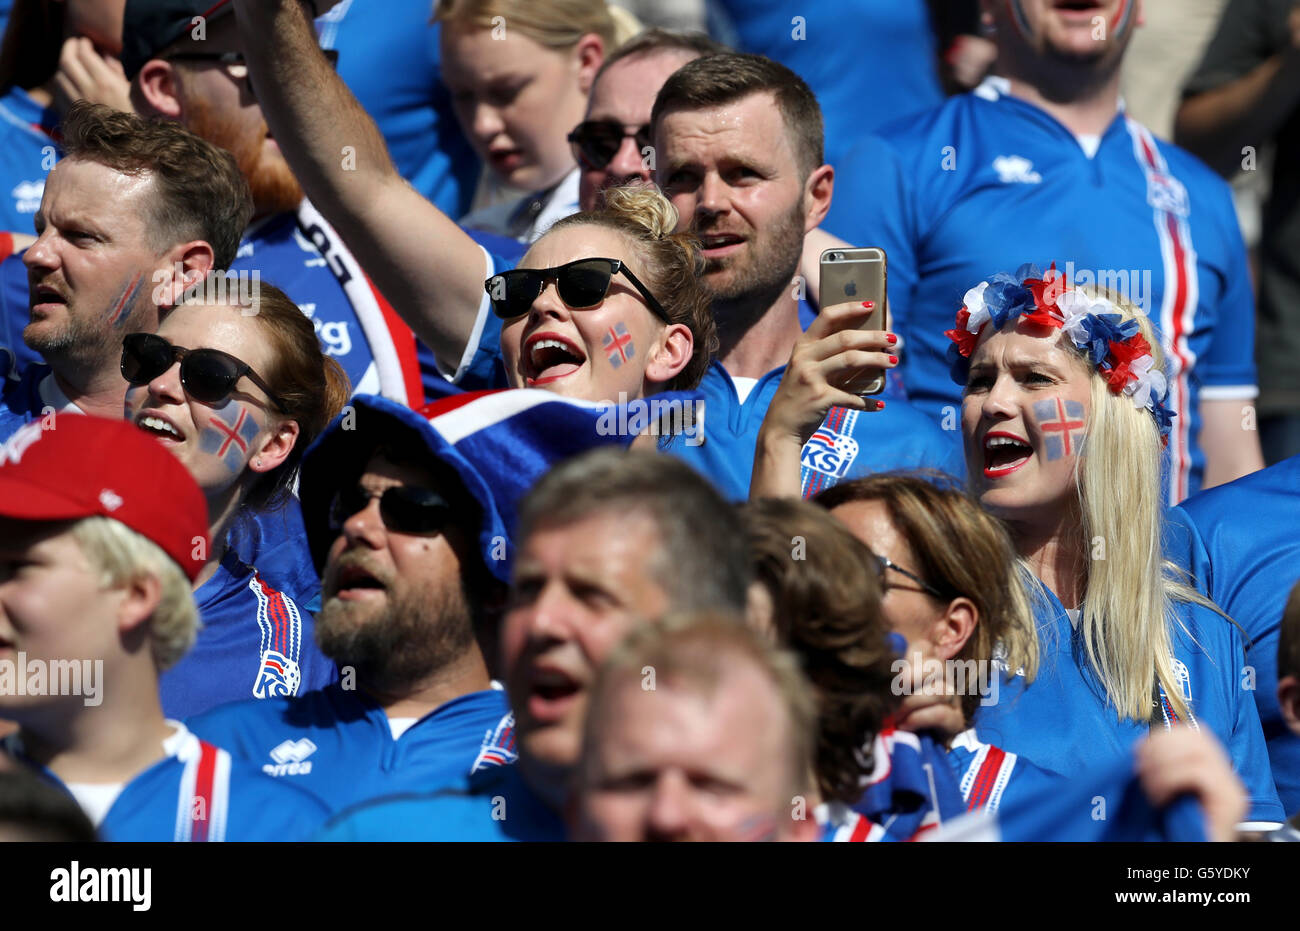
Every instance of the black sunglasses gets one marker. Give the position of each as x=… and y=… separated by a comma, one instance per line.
x=235, y=64
x=581, y=284
x=207, y=375
x=596, y=142
x=403, y=508
x=884, y=563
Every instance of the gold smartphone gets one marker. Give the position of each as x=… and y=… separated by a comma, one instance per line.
x=857, y=275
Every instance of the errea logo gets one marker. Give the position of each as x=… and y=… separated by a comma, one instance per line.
x=289, y=758
x=1015, y=169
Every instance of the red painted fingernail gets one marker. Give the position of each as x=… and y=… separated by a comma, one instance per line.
x=880, y=405
x=868, y=304
x=893, y=360
x=891, y=339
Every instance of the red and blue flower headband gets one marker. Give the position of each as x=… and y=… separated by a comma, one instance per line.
x=1094, y=325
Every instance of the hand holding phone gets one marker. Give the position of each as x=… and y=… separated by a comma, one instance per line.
x=855, y=276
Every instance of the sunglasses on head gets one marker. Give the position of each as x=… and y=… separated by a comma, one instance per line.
x=596, y=142
x=581, y=284
x=403, y=508
x=235, y=64
x=207, y=375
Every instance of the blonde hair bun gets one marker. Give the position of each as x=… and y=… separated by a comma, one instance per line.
x=643, y=205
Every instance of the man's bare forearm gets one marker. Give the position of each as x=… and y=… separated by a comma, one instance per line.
x=1217, y=124
x=425, y=265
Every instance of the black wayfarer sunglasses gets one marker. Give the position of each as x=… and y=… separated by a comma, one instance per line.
x=596, y=142
x=207, y=375
x=581, y=284
x=404, y=508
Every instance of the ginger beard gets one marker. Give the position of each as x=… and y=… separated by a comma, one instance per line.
x=274, y=188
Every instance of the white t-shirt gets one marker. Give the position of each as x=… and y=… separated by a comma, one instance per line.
x=743, y=386
x=96, y=798
x=400, y=726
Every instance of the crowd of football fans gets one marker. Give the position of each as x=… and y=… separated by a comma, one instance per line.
x=431, y=421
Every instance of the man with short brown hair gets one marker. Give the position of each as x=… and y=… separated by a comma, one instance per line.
x=136, y=213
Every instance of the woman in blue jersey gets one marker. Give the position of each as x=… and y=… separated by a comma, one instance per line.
x=237, y=393
x=1063, y=416
x=519, y=72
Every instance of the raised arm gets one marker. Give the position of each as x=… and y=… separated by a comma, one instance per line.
x=425, y=265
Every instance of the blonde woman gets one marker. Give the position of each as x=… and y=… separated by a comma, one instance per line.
x=1063, y=417
x=519, y=72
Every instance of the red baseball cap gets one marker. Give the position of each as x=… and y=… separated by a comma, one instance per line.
x=93, y=467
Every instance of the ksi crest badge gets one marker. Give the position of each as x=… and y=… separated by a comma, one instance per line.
x=829, y=452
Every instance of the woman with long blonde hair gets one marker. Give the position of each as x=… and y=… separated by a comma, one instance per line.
x=1063, y=416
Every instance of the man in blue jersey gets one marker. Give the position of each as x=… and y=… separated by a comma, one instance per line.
x=739, y=151
x=1044, y=161
x=606, y=541
x=1243, y=552
x=103, y=533
x=410, y=544
x=134, y=215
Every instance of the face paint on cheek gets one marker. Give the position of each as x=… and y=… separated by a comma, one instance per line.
x=1123, y=18
x=1063, y=426
x=228, y=434
x=118, y=311
x=618, y=344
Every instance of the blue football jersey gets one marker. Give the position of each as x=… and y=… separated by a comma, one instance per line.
x=198, y=793
x=494, y=805
x=389, y=58
x=338, y=743
x=25, y=398
x=26, y=157
x=15, y=355
x=990, y=777
x=1063, y=723
x=848, y=443
x=898, y=63
x=300, y=253
x=1246, y=557
x=987, y=182
x=254, y=643
x=276, y=542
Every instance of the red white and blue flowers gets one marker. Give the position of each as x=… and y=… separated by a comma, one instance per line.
x=1093, y=324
